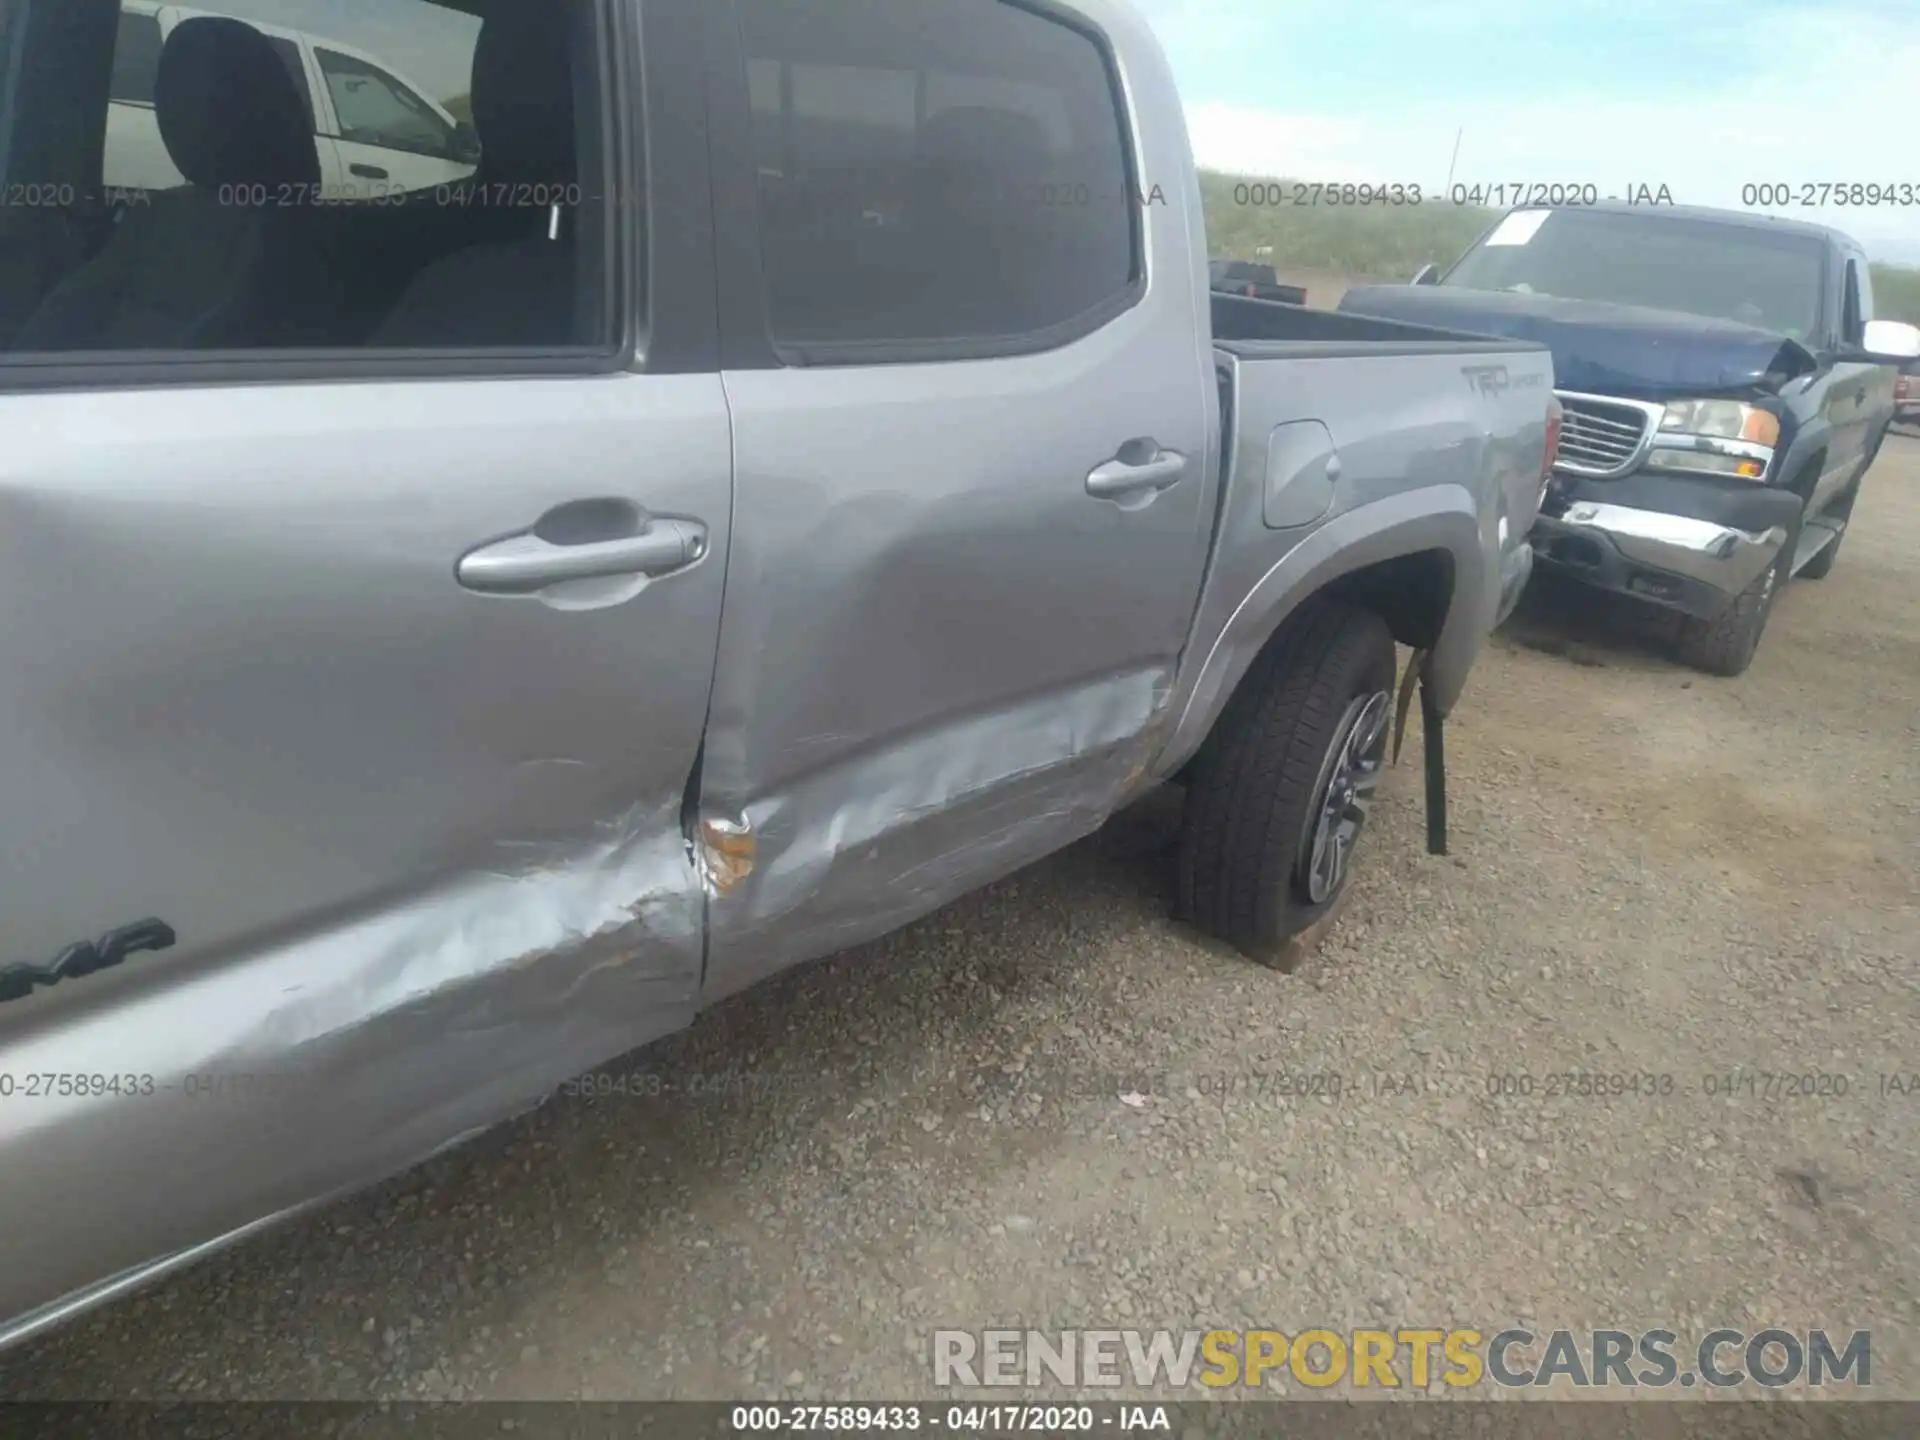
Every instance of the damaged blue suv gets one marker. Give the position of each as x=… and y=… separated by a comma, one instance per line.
x=1726, y=389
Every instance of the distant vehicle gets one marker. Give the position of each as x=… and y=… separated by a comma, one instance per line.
x=1906, y=394
x=374, y=131
x=1256, y=282
x=1726, y=390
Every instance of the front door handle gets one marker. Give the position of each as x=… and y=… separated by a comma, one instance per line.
x=368, y=172
x=1122, y=476
x=524, y=563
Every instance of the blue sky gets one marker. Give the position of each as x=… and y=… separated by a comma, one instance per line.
x=1703, y=96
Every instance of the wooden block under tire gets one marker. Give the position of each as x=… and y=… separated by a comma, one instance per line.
x=1293, y=950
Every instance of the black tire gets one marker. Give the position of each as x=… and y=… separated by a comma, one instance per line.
x=1822, y=564
x=1317, y=701
x=1726, y=644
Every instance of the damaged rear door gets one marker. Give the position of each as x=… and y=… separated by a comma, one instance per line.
x=971, y=460
x=348, y=700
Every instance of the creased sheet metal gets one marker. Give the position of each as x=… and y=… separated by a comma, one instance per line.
x=340, y=1055
x=932, y=816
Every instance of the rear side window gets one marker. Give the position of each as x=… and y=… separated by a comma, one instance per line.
x=935, y=171
x=458, y=204
x=136, y=58
x=376, y=108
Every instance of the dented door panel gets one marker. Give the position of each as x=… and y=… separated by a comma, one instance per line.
x=417, y=850
x=942, y=656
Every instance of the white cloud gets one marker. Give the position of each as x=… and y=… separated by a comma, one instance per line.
x=1837, y=107
x=1306, y=147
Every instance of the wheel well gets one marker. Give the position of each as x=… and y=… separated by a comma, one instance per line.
x=1412, y=593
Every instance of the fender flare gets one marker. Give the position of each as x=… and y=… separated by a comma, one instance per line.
x=1440, y=517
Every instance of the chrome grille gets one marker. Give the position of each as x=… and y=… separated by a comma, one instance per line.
x=1603, y=437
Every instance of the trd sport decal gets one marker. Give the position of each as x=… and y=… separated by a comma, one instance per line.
x=85, y=957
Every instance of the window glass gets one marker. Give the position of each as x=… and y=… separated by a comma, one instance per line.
x=406, y=229
x=933, y=170
x=1850, y=304
x=376, y=109
x=1047, y=107
x=1748, y=273
x=136, y=57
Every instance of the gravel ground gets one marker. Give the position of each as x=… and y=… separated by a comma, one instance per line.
x=1653, y=872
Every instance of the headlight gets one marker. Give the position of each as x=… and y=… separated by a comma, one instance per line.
x=1715, y=437
x=1722, y=419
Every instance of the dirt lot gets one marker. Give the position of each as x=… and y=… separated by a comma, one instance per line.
x=1654, y=873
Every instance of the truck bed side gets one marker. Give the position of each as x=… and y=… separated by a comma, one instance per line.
x=1399, y=460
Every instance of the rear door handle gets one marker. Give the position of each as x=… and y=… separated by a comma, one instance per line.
x=1119, y=479
x=524, y=563
x=368, y=172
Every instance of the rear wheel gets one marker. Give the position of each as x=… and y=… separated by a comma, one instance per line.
x=1280, y=795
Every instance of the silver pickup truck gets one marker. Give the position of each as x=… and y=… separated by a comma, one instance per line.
x=803, y=477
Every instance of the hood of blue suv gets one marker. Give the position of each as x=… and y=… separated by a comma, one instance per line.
x=1602, y=348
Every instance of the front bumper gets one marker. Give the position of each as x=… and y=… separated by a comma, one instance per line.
x=1687, y=545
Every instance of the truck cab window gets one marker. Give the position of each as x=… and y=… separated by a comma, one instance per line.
x=214, y=199
x=1696, y=266
x=376, y=109
x=933, y=171
x=136, y=58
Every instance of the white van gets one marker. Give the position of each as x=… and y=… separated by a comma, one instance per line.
x=375, y=132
